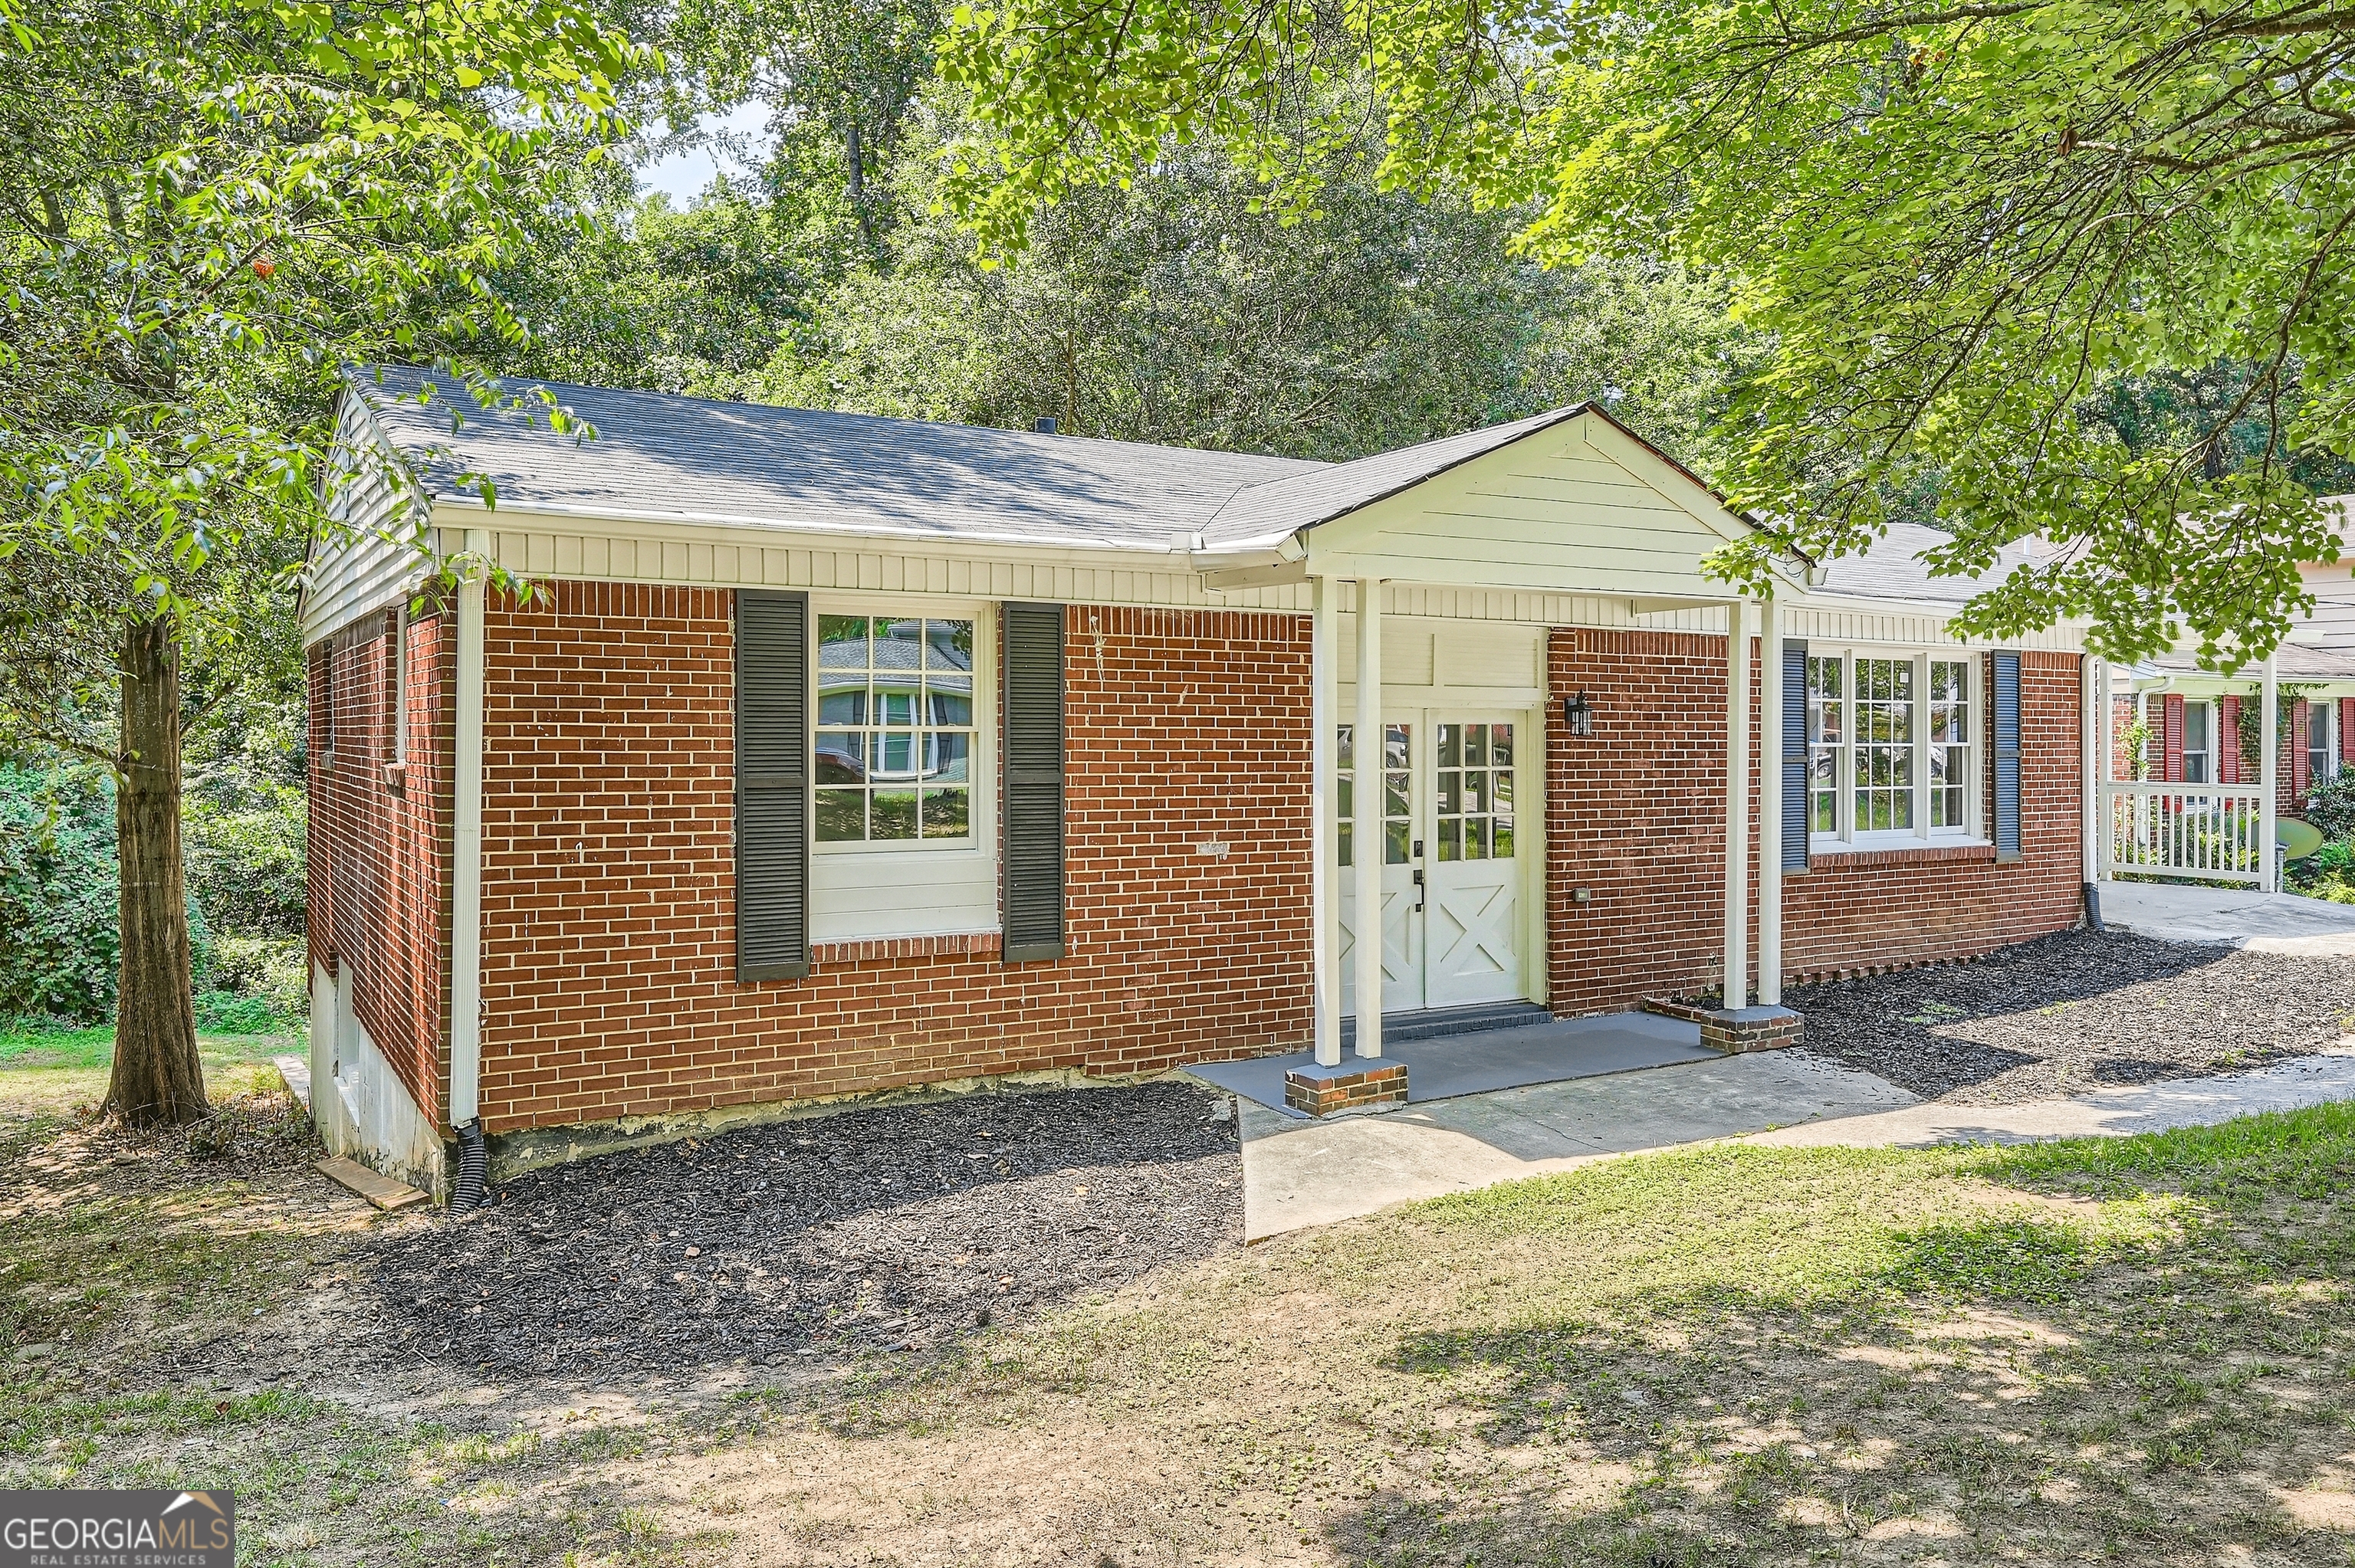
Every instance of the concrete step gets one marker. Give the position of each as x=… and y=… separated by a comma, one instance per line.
x=1438, y=1022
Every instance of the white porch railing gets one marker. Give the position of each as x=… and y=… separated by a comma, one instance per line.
x=2210, y=832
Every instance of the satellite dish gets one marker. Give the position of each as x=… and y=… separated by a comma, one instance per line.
x=2299, y=839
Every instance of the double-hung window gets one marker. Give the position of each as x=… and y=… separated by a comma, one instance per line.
x=2324, y=744
x=2198, y=743
x=895, y=733
x=1892, y=748
x=903, y=779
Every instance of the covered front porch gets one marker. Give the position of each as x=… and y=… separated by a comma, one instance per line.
x=1438, y=733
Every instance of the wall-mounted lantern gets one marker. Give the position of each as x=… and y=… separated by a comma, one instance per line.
x=1577, y=715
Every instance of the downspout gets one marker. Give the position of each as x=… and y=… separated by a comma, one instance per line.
x=466, y=886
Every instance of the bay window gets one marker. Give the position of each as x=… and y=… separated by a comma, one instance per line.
x=1892, y=748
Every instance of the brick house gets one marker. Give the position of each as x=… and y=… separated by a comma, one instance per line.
x=830, y=756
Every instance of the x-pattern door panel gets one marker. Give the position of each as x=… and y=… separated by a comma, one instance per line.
x=1452, y=865
x=1472, y=940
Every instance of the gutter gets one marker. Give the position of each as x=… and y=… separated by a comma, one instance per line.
x=467, y=851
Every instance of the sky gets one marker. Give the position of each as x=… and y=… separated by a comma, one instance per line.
x=683, y=176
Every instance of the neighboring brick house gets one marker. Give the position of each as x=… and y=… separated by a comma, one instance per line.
x=830, y=756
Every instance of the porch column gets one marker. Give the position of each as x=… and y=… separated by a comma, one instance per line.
x=2106, y=737
x=1325, y=815
x=1367, y=816
x=1770, y=803
x=2267, y=861
x=1736, y=991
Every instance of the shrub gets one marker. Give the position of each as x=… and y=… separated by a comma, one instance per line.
x=2332, y=807
x=59, y=937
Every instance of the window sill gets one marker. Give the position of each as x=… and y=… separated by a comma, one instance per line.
x=869, y=950
x=1855, y=855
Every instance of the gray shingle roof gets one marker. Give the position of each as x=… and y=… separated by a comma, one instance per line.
x=657, y=455
x=2292, y=661
x=1894, y=568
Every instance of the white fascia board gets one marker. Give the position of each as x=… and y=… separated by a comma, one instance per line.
x=468, y=512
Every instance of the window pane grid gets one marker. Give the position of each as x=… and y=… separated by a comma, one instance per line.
x=1398, y=761
x=1884, y=744
x=894, y=746
x=1891, y=743
x=1950, y=736
x=1474, y=811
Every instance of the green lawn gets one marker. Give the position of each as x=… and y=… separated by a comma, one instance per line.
x=49, y=1068
x=2136, y=1352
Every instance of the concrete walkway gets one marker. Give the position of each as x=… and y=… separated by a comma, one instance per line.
x=1297, y=1175
x=2263, y=922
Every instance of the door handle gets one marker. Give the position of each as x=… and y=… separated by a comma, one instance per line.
x=1419, y=894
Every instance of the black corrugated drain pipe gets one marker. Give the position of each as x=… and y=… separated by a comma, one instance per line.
x=473, y=1161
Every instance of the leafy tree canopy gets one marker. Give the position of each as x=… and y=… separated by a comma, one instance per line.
x=2073, y=268
x=208, y=208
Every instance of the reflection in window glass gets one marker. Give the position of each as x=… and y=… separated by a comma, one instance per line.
x=1398, y=793
x=1884, y=744
x=1950, y=738
x=1474, y=809
x=1823, y=737
x=894, y=743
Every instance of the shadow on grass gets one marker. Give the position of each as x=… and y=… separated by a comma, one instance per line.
x=2056, y=1387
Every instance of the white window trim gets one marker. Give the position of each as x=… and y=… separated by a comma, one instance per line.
x=2211, y=754
x=868, y=891
x=1847, y=840
x=983, y=819
x=399, y=680
x=2334, y=748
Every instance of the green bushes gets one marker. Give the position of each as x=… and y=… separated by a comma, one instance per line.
x=60, y=941
x=2329, y=872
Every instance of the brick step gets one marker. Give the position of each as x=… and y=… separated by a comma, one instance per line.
x=1437, y=1022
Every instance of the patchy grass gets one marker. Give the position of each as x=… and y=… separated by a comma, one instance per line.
x=47, y=1068
x=2136, y=1351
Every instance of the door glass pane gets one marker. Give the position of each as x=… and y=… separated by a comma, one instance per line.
x=1451, y=745
x=1474, y=809
x=1396, y=792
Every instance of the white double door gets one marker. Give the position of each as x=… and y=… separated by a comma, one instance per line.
x=1452, y=859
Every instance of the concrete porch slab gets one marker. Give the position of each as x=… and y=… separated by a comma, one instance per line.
x=1495, y=1059
x=2262, y=922
x=1298, y=1174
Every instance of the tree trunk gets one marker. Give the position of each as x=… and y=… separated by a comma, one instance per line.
x=157, y=1079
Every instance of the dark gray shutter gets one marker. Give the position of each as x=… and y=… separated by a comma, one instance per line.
x=773, y=748
x=1034, y=782
x=2004, y=705
x=1796, y=815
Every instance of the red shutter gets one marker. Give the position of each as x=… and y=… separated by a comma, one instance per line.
x=2171, y=726
x=2228, y=741
x=2301, y=768
x=2346, y=728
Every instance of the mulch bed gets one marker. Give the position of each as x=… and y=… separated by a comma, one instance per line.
x=887, y=1228
x=2077, y=1012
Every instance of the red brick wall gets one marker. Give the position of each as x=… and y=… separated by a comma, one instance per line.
x=1634, y=814
x=379, y=893
x=608, y=891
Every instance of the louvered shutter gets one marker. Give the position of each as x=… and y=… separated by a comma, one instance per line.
x=1034, y=782
x=773, y=748
x=2005, y=705
x=1795, y=814
x=2170, y=739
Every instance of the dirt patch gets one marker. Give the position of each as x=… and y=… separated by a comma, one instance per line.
x=886, y=1228
x=2077, y=1012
